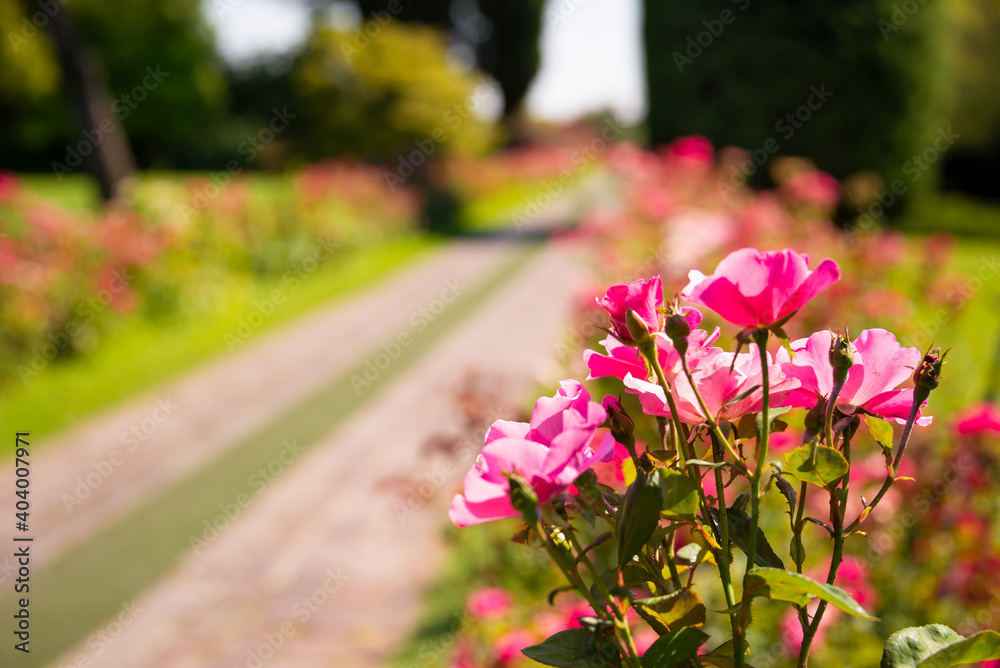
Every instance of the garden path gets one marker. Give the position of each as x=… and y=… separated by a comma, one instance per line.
x=100, y=471
x=327, y=566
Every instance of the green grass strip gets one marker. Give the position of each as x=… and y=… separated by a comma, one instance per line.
x=140, y=353
x=93, y=582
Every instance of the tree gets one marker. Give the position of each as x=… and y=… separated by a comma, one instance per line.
x=503, y=34
x=385, y=90
x=166, y=115
x=744, y=73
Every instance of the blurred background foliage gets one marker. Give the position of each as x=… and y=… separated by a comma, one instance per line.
x=376, y=95
x=885, y=99
x=391, y=75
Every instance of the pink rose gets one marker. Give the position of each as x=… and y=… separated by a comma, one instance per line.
x=979, y=419
x=642, y=297
x=720, y=383
x=880, y=365
x=756, y=289
x=550, y=453
x=489, y=603
x=623, y=360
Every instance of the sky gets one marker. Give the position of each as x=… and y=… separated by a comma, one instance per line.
x=591, y=50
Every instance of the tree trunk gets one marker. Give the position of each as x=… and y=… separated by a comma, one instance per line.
x=110, y=160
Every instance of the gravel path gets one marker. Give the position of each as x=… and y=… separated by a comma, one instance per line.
x=98, y=472
x=326, y=564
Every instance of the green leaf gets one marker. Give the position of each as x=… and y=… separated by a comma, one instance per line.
x=880, y=430
x=982, y=646
x=677, y=610
x=673, y=648
x=572, y=648
x=787, y=491
x=829, y=468
x=909, y=647
x=937, y=646
x=739, y=535
x=782, y=585
x=772, y=415
x=680, y=493
x=639, y=514
x=657, y=536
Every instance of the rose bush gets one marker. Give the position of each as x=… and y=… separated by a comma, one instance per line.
x=540, y=471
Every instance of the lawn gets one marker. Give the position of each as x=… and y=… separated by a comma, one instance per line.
x=973, y=366
x=79, y=590
x=139, y=353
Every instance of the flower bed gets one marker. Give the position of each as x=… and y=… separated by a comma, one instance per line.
x=913, y=539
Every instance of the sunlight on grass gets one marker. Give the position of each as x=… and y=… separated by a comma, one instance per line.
x=139, y=353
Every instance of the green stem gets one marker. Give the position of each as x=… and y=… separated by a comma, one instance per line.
x=838, y=556
x=621, y=623
x=675, y=577
x=797, y=526
x=722, y=559
x=798, y=522
x=891, y=474
x=724, y=572
x=838, y=510
x=569, y=570
x=761, y=452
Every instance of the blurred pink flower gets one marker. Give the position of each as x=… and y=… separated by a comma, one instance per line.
x=981, y=418
x=644, y=638
x=791, y=630
x=572, y=620
x=880, y=365
x=853, y=577
x=695, y=149
x=784, y=441
x=10, y=186
x=812, y=187
x=508, y=646
x=755, y=289
x=550, y=452
x=641, y=296
x=489, y=603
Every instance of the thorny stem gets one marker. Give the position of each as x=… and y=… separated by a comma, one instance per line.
x=891, y=474
x=761, y=453
x=797, y=526
x=621, y=623
x=649, y=352
x=675, y=578
x=723, y=562
x=722, y=559
x=838, y=509
x=831, y=403
x=577, y=582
